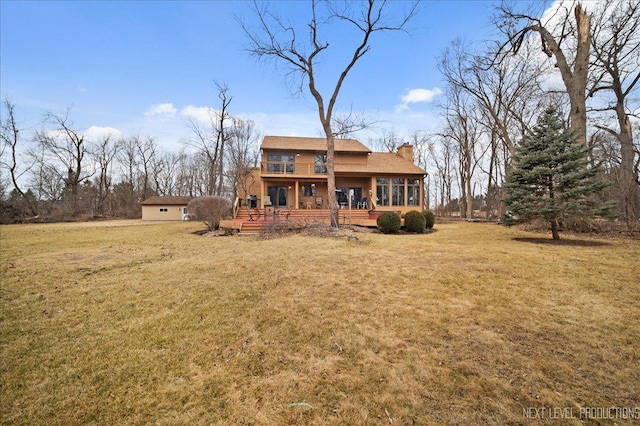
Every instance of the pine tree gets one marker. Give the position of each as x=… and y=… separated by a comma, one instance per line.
x=552, y=178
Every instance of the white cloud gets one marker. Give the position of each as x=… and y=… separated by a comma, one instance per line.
x=203, y=114
x=282, y=124
x=97, y=132
x=164, y=110
x=414, y=96
x=420, y=95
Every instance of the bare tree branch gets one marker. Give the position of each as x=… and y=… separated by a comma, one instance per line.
x=278, y=41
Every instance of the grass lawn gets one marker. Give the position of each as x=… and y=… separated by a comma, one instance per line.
x=125, y=323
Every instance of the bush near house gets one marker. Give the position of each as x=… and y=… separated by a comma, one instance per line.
x=414, y=221
x=430, y=219
x=388, y=222
x=209, y=210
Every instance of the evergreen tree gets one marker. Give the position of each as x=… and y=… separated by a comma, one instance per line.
x=552, y=178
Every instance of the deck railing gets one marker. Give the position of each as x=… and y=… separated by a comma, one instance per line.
x=287, y=168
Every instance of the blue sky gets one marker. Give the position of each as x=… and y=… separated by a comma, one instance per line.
x=139, y=67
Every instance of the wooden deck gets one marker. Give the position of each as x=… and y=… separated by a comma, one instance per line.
x=244, y=224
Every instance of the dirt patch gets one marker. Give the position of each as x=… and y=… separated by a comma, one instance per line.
x=561, y=242
x=222, y=232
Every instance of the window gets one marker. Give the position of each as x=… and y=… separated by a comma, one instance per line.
x=382, y=191
x=413, y=192
x=397, y=195
x=163, y=210
x=280, y=163
x=320, y=164
x=342, y=195
x=309, y=190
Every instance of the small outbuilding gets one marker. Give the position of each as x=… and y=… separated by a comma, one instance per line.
x=165, y=208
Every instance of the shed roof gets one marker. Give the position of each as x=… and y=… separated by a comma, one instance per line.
x=158, y=200
x=296, y=143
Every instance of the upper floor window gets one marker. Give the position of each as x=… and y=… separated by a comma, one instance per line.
x=320, y=163
x=280, y=163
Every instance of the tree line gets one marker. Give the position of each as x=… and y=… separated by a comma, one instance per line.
x=496, y=92
x=580, y=61
x=58, y=173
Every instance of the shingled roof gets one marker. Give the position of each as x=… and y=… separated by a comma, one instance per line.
x=382, y=163
x=158, y=200
x=295, y=143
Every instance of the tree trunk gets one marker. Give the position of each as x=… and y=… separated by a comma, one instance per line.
x=469, y=193
x=576, y=81
x=554, y=229
x=628, y=177
x=331, y=176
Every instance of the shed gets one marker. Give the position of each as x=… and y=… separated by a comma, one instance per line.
x=165, y=208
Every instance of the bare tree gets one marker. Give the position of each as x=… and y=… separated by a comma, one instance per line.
x=461, y=126
x=104, y=152
x=389, y=141
x=67, y=147
x=421, y=142
x=135, y=158
x=165, y=170
x=565, y=39
x=346, y=125
x=278, y=40
x=505, y=93
x=210, y=139
x=616, y=70
x=503, y=90
x=442, y=156
x=10, y=139
x=126, y=191
x=242, y=152
x=147, y=152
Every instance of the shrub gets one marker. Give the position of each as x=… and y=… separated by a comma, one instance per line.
x=209, y=210
x=430, y=219
x=388, y=222
x=414, y=221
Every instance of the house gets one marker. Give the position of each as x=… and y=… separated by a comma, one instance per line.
x=292, y=175
x=165, y=208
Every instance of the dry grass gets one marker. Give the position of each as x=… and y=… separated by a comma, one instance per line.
x=106, y=324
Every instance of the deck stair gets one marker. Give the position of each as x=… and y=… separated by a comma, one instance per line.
x=244, y=223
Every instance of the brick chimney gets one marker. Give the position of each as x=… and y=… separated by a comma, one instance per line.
x=406, y=151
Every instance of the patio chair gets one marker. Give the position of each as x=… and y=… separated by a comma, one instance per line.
x=318, y=202
x=267, y=200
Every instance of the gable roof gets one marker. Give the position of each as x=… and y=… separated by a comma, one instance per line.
x=296, y=143
x=382, y=162
x=158, y=200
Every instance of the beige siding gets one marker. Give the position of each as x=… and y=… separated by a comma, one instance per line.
x=160, y=212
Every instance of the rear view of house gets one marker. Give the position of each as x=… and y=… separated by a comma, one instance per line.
x=293, y=174
x=291, y=182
